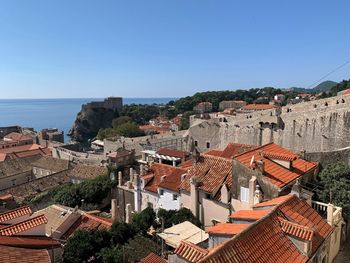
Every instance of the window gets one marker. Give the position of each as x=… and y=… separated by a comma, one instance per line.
x=196, y=143
x=174, y=197
x=161, y=192
x=28, y=178
x=244, y=194
x=207, y=196
x=208, y=145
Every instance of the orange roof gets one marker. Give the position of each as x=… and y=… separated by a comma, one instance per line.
x=15, y=213
x=249, y=214
x=297, y=230
x=233, y=149
x=273, y=202
x=266, y=241
x=89, y=222
x=15, y=136
x=233, y=101
x=29, y=242
x=153, y=258
x=190, y=252
x=227, y=228
x=21, y=148
x=276, y=173
x=187, y=164
x=211, y=172
x=172, y=180
x=23, y=226
x=280, y=156
x=214, y=152
x=258, y=107
x=345, y=92
x=172, y=153
x=23, y=255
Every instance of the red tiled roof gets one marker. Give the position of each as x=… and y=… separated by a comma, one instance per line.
x=296, y=229
x=21, y=148
x=187, y=164
x=233, y=149
x=24, y=151
x=258, y=107
x=89, y=222
x=249, y=214
x=211, y=172
x=23, y=226
x=15, y=136
x=29, y=242
x=172, y=153
x=172, y=180
x=152, y=258
x=276, y=173
x=15, y=213
x=280, y=156
x=214, y=153
x=227, y=228
x=190, y=252
x=273, y=202
x=23, y=255
x=266, y=241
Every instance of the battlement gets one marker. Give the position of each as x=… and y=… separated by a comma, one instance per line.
x=111, y=103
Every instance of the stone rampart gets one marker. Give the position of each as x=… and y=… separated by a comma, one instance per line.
x=315, y=126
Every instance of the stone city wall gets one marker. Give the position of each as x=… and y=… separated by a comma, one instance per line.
x=322, y=125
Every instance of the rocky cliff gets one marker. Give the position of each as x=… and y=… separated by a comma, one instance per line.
x=89, y=121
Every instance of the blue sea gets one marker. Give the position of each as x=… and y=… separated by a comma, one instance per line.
x=52, y=113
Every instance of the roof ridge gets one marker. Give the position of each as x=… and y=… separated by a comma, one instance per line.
x=257, y=148
x=26, y=209
x=215, y=157
x=25, y=225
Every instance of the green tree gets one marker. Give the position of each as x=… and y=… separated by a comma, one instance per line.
x=334, y=186
x=85, y=245
x=174, y=217
x=144, y=220
x=111, y=255
x=121, y=232
x=121, y=120
x=129, y=129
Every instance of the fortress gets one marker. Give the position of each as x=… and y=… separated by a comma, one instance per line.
x=315, y=126
x=111, y=103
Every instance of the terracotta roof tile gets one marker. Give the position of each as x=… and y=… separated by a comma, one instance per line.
x=15, y=136
x=187, y=164
x=152, y=258
x=23, y=255
x=267, y=239
x=273, y=202
x=23, y=226
x=276, y=173
x=172, y=153
x=227, y=228
x=296, y=229
x=214, y=153
x=190, y=252
x=29, y=242
x=211, y=172
x=249, y=214
x=172, y=180
x=280, y=156
x=15, y=213
x=233, y=149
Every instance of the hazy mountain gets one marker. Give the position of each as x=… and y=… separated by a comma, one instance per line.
x=324, y=86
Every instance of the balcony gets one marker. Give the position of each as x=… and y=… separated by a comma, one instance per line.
x=332, y=213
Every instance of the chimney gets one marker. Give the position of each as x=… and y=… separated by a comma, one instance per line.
x=131, y=174
x=194, y=195
x=120, y=179
x=252, y=184
x=296, y=189
x=128, y=214
x=114, y=209
x=260, y=165
x=330, y=211
x=257, y=195
x=162, y=178
x=137, y=193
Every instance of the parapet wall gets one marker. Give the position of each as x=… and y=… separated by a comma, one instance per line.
x=315, y=126
x=112, y=103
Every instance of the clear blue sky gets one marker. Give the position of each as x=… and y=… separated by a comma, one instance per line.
x=167, y=48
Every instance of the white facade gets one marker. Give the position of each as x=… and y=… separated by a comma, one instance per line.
x=168, y=200
x=149, y=199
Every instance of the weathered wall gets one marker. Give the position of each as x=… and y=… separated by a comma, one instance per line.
x=330, y=157
x=321, y=125
x=167, y=202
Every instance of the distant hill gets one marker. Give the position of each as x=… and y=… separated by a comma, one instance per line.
x=324, y=86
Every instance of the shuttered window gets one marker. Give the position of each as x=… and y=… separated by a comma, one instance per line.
x=244, y=194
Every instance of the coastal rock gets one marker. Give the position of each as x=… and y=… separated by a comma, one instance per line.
x=94, y=116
